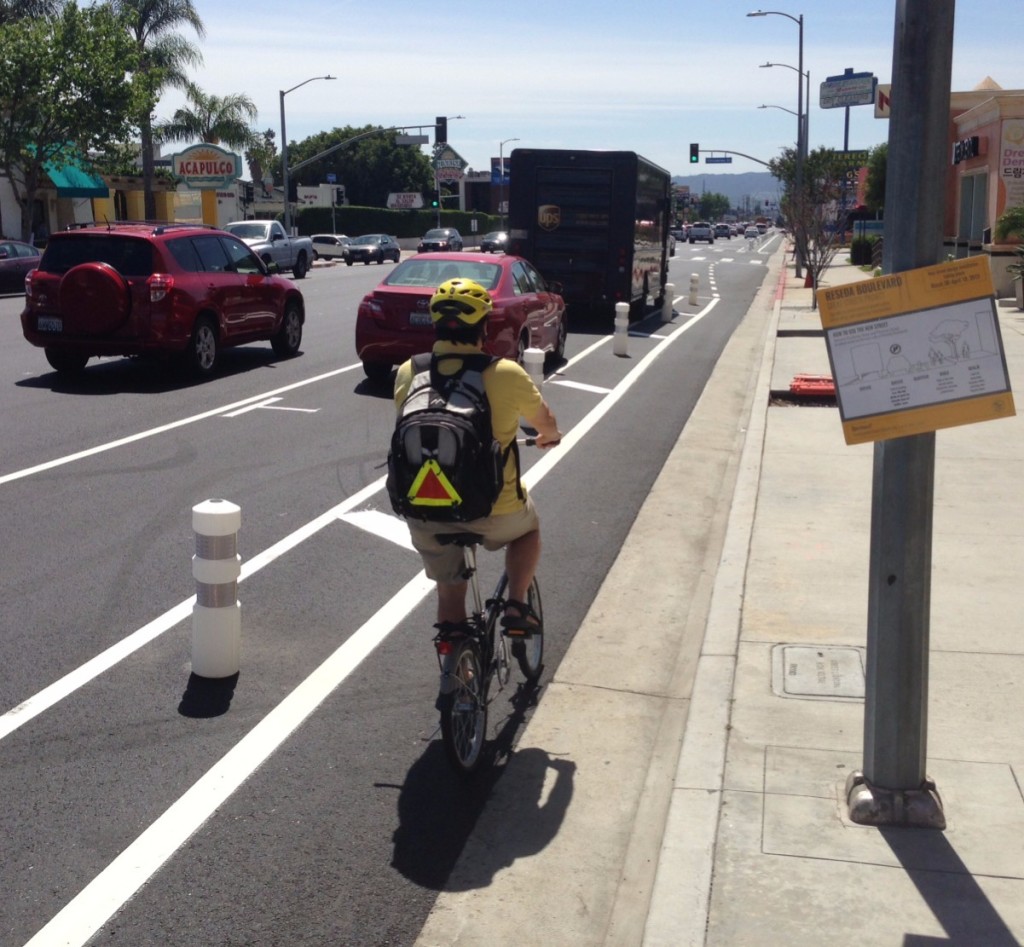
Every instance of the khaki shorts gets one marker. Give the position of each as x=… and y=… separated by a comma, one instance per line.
x=445, y=563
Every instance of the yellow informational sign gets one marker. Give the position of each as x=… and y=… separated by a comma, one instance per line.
x=916, y=351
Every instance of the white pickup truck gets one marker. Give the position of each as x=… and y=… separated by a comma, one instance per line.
x=269, y=241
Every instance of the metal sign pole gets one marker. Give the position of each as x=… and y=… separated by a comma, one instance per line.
x=893, y=788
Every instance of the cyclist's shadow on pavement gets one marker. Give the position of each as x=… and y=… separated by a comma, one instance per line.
x=455, y=834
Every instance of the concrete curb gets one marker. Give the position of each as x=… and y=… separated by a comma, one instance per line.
x=680, y=901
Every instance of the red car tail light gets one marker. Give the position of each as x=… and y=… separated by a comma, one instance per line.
x=160, y=284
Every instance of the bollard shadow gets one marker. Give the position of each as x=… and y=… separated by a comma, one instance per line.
x=207, y=697
x=949, y=889
x=438, y=811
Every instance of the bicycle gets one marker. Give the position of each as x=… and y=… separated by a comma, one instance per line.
x=473, y=657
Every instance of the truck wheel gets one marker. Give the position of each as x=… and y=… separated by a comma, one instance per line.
x=301, y=266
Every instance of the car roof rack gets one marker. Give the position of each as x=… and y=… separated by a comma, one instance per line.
x=155, y=227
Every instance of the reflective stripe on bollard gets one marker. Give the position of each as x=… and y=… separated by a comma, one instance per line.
x=216, y=566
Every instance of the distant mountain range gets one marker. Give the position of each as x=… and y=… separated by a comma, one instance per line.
x=752, y=186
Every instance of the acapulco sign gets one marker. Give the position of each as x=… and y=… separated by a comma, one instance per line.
x=206, y=166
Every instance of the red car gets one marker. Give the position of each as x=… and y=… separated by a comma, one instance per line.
x=136, y=289
x=393, y=322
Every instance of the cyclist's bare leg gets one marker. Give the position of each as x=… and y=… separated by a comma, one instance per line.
x=522, y=557
x=451, y=601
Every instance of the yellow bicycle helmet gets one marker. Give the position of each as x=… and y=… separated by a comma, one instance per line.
x=460, y=302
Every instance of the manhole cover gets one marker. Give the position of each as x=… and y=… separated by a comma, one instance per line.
x=818, y=672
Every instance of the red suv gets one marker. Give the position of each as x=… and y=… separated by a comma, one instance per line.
x=134, y=289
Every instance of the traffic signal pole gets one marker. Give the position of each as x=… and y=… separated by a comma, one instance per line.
x=893, y=787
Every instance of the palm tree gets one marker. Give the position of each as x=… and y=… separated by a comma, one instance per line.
x=213, y=119
x=164, y=56
x=11, y=10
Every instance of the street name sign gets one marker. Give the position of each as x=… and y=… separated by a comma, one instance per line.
x=715, y=159
x=852, y=88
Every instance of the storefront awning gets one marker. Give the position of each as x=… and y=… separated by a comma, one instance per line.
x=72, y=181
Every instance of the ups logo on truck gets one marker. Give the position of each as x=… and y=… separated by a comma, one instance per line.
x=549, y=216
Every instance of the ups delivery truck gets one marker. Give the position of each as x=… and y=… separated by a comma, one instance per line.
x=595, y=222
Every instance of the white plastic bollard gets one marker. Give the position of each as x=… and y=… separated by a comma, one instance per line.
x=694, y=280
x=533, y=362
x=216, y=566
x=666, y=303
x=620, y=341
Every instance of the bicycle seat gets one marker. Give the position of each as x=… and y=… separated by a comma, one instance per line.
x=459, y=539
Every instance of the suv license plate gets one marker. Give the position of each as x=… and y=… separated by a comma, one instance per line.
x=419, y=319
x=50, y=324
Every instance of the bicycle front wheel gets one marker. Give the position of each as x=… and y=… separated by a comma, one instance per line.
x=530, y=653
x=464, y=710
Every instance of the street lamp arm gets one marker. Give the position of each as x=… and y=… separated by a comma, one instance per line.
x=301, y=84
x=784, y=109
x=789, y=16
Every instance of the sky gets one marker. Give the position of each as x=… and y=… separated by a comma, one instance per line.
x=649, y=76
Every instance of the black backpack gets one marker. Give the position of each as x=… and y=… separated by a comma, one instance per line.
x=444, y=464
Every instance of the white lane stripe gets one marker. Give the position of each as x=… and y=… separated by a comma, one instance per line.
x=385, y=525
x=251, y=407
x=569, y=383
x=152, y=432
x=81, y=676
x=79, y=920
x=81, y=917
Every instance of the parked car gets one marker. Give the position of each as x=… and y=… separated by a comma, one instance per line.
x=701, y=230
x=373, y=248
x=494, y=242
x=330, y=246
x=440, y=240
x=135, y=289
x=723, y=230
x=16, y=260
x=393, y=322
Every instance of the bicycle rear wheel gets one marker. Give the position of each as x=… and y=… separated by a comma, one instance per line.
x=464, y=710
x=530, y=653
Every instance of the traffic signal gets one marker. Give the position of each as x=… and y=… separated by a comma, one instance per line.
x=434, y=201
x=441, y=130
x=339, y=196
x=694, y=154
x=249, y=194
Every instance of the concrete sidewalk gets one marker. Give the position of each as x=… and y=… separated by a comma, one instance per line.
x=697, y=797
x=758, y=847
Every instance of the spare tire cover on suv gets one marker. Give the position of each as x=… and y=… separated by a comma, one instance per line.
x=94, y=298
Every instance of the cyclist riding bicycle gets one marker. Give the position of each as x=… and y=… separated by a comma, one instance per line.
x=459, y=309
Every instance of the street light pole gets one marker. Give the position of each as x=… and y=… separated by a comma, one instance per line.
x=284, y=152
x=501, y=180
x=801, y=136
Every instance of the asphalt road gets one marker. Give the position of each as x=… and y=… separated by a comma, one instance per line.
x=308, y=801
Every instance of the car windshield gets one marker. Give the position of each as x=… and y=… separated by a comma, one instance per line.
x=247, y=231
x=369, y=238
x=431, y=273
x=437, y=235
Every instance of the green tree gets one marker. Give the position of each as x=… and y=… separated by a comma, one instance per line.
x=65, y=92
x=713, y=206
x=815, y=211
x=878, y=161
x=12, y=10
x=163, y=56
x=262, y=156
x=216, y=119
x=370, y=167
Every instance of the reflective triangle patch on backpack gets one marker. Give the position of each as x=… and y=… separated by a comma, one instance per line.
x=432, y=488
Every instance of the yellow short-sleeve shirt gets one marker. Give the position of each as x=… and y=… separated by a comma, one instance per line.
x=512, y=395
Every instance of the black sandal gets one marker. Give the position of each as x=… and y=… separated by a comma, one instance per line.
x=523, y=625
